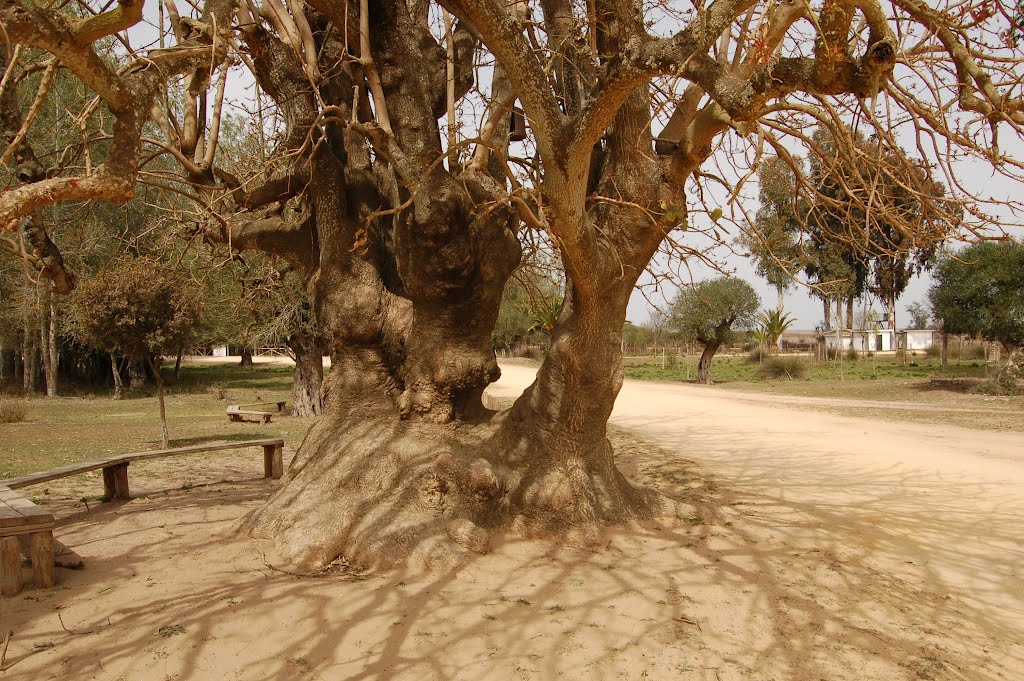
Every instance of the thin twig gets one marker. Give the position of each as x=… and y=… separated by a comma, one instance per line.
x=73, y=633
x=3, y=651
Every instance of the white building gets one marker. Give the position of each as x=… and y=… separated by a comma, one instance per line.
x=871, y=340
x=917, y=339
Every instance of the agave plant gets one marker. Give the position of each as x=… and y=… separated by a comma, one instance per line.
x=774, y=323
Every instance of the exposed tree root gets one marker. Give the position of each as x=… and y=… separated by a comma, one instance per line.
x=380, y=492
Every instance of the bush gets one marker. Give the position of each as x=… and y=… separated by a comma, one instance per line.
x=218, y=390
x=849, y=354
x=531, y=352
x=782, y=367
x=12, y=411
x=995, y=388
x=933, y=351
x=757, y=355
x=974, y=352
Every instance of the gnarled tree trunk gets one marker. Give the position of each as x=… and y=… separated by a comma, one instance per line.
x=704, y=366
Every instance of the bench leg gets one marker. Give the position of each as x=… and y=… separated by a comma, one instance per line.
x=10, y=566
x=273, y=461
x=115, y=482
x=43, y=572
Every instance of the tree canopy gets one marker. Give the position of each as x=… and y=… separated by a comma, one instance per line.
x=711, y=313
x=979, y=291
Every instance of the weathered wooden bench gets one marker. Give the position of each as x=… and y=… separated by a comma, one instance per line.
x=19, y=516
x=238, y=412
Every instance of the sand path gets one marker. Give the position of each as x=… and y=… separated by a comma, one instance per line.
x=819, y=547
x=947, y=499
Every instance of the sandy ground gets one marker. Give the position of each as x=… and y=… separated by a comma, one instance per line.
x=823, y=547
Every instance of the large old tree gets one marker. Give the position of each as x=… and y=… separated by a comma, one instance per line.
x=394, y=187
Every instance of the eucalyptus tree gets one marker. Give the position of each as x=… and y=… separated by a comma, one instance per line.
x=401, y=188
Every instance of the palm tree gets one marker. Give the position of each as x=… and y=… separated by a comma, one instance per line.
x=761, y=336
x=774, y=323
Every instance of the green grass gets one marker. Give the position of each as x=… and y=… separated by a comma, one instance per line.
x=66, y=430
x=735, y=369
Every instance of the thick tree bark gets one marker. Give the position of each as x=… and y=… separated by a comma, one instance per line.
x=308, y=375
x=246, y=356
x=704, y=366
x=945, y=351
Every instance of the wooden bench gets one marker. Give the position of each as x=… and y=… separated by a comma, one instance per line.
x=238, y=412
x=19, y=516
x=115, y=469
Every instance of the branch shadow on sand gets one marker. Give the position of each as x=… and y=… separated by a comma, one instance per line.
x=750, y=587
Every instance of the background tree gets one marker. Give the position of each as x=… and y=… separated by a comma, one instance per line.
x=774, y=323
x=772, y=243
x=920, y=316
x=405, y=233
x=979, y=292
x=711, y=313
x=138, y=308
x=880, y=193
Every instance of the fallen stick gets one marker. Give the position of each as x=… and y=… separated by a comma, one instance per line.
x=73, y=633
x=3, y=651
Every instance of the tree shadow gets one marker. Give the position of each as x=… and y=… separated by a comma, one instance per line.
x=756, y=584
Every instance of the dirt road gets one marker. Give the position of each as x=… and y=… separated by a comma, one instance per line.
x=816, y=548
x=940, y=504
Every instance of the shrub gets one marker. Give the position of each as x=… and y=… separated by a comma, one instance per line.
x=218, y=390
x=852, y=354
x=933, y=351
x=974, y=352
x=533, y=352
x=996, y=388
x=12, y=411
x=757, y=355
x=782, y=367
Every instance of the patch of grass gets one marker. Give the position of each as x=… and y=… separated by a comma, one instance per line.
x=13, y=411
x=66, y=430
x=757, y=355
x=788, y=367
x=996, y=389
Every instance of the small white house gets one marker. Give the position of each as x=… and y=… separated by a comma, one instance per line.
x=221, y=351
x=917, y=339
x=872, y=340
